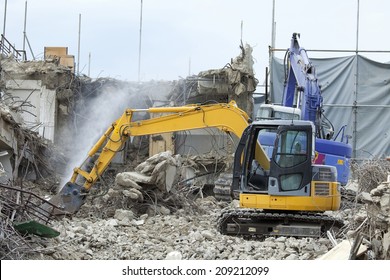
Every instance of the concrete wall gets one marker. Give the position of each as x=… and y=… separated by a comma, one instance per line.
x=41, y=116
x=8, y=145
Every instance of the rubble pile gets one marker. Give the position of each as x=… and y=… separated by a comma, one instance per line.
x=160, y=184
x=374, y=219
x=140, y=216
x=33, y=157
x=139, y=219
x=129, y=236
x=370, y=173
x=366, y=209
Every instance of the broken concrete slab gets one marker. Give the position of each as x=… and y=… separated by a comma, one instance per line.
x=127, y=180
x=134, y=177
x=366, y=197
x=342, y=251
x=134, y=194
x=123, y=215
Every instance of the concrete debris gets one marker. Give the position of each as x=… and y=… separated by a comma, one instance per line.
x=166, y=171
x=119, y=225
x=180, y=236
x=126, y=179
x=342, y=251
x=238, y=74
x=175, y=255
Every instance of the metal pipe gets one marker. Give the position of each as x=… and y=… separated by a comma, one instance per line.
x=78, y=47
x=89, y=65
x=140, y=44
x=357, y=27
x=356, y=93
x=273, y=25
x=29, y=46
x=5, y=17
x=271, y=54
x=356, y=105
x=266, y=85
x=335, y=50
x=25, y=24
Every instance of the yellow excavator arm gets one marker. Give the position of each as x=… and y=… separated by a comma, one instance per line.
x=225, y=116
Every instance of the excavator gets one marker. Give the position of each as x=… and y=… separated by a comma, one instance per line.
x=284, y=194
x=302, y=99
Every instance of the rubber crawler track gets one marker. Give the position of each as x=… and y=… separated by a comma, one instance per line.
x=258, y=216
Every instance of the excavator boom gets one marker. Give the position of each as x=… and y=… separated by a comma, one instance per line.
x=226, y=117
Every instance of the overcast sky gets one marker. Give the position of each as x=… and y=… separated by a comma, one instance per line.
x=182, y=37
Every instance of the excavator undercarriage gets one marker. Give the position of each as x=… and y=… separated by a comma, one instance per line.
x=255, y=222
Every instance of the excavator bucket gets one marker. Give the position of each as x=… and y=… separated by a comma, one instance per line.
x=69, y=199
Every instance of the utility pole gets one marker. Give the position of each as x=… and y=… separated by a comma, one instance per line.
x=273, y=25
x=356, y=93
x=78, y=47
x=357, y=27
x=5, y=20
x=89, y=64
x=25, y=26
x=271, y=55
x=5, y=17
x=140, y=44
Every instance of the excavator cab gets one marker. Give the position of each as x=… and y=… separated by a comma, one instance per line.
x=290, y=157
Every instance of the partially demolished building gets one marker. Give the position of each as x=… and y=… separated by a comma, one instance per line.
x=45, y=106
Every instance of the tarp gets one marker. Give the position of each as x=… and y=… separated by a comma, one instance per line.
x=356, y=92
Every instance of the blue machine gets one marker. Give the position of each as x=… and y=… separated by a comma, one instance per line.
x=302, y=91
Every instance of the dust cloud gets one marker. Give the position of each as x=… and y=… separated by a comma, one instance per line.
x=94, y=117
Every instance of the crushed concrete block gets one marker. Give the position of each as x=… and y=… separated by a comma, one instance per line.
x=144, y=168
x=385, y=200
x=112, y=222
x=158, y=175
x=235, y=203
x=139, y=178
x=159, y=157
x=342, y=251
x=174, y=255
x=352, y=186
x=143, y=217
x=127, y=180
x=292, y=257
x=133, y=194
x=197, y=236
x=366, y=197
x=121, y=214
x=171, y=175
x=137, y=222
x=386, y=244
x=379, y=190
x=208, y=234
x=163, y=210
x=89, y=252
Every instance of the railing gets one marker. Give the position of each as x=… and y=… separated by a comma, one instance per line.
x=21, y=205
x=7, y=49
